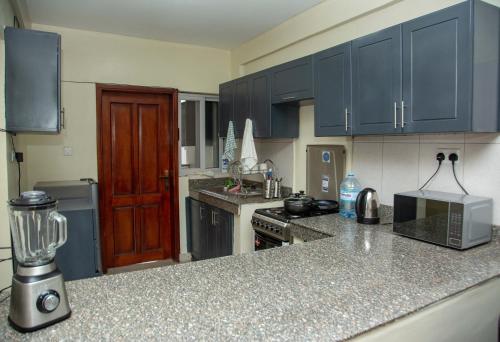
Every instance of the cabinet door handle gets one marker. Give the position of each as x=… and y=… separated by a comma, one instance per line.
x=395, y=115
x=346, y=123
x=288, y=97
x=402, y=114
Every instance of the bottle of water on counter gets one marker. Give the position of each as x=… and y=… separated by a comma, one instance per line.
x=349, y=190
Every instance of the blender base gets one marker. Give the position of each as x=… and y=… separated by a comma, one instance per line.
x=38, y=298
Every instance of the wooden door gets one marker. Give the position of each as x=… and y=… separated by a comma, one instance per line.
x=437, y=78
x=377, y=82
x=137, y=174
x=332, y=89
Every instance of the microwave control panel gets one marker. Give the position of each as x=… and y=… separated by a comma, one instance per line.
x=455, y=223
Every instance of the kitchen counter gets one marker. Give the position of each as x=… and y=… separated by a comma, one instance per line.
x=321, y=227
x=329, y=289
x=209, y=191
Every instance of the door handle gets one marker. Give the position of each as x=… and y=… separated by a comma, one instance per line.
x=346, y=124
x=395, y=115
x=402, y=114
x=165, y=177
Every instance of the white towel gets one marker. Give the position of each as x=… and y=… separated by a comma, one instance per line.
x=230, y=145
x=248, y=153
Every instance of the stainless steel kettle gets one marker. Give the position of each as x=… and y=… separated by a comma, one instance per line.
x=367, y=207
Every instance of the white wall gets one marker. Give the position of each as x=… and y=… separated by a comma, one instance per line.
x=393, y=164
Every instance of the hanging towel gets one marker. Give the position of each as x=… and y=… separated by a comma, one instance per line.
x=248, y=153
x=230, y=145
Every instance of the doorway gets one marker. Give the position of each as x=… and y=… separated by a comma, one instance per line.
x=137, y=142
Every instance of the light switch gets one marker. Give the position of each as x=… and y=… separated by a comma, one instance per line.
x=68, y=151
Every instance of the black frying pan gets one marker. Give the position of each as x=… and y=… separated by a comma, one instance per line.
x=325, y=205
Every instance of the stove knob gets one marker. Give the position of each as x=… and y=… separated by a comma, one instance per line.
x=48, y=301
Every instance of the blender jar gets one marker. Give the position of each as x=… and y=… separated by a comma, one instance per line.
x=37, y=228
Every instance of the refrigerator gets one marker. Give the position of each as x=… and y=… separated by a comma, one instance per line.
x=325, y=171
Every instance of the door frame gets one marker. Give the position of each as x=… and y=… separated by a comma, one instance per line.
x=101, y=88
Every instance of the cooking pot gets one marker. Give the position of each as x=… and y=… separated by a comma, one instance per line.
x=298, y=203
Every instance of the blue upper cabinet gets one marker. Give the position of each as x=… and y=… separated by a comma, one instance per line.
x=241, y=105
x=292, y=81
x=260, y=96
x=376, y=88
x=226, y=105
x=437, y=72
x=32, y=81
x=332, y=87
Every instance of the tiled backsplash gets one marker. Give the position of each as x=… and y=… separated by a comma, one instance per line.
x=392, y=164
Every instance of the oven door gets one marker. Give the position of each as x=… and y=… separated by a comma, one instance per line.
x=263, y=241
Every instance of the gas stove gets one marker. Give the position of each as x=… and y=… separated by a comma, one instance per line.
x=275, y=222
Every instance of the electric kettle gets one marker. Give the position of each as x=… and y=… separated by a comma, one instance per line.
x=367, y=206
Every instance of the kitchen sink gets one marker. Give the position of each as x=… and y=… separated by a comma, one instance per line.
x=219, y=192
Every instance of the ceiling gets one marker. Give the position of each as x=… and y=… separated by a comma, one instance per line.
x=216, y=23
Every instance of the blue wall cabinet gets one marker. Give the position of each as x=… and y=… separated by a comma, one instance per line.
x=450, y=70
x=293, y=81
x=32, y=81
x=376, y=89
x=241, y=105
x=260, y=90
x=332, y=87
x=436, y=72
x=226, y=105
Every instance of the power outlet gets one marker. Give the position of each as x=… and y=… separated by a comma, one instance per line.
x=447, y=152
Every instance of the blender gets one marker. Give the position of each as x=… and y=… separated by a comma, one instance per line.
x=38, y=296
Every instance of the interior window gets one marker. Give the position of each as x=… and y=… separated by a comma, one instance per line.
x=199, y=135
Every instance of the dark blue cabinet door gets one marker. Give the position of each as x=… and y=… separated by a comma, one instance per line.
x=292, y=81
x=437, y=65
x=226, y=92
x=223, y=230
x=260, y=94
x=196, y=229
x=332, y=89
x=241, y=105
x=377, y=82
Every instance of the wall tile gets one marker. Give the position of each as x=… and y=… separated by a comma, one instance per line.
x=399, y=170
x=482, y=138
x=482, y=173
x=367, y=164
x=449, y=138
x=368, y=138
x=415, y=139
x=444, y=180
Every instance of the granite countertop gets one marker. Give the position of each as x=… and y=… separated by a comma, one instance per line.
x=320, y=227
x=329, y=289
x=208, y=191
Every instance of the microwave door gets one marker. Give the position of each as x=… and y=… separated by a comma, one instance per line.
x=422, y=219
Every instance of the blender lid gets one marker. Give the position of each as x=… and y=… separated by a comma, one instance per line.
x=32, y=199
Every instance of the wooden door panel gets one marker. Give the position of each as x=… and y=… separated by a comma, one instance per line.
x=138, y=147
x=149, y=148
x=122, y=147
x=124, y=230
x=151, y=232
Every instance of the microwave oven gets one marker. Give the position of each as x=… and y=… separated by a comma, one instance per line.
x=446, y=219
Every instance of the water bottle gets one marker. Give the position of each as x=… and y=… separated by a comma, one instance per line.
x=349, y=189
